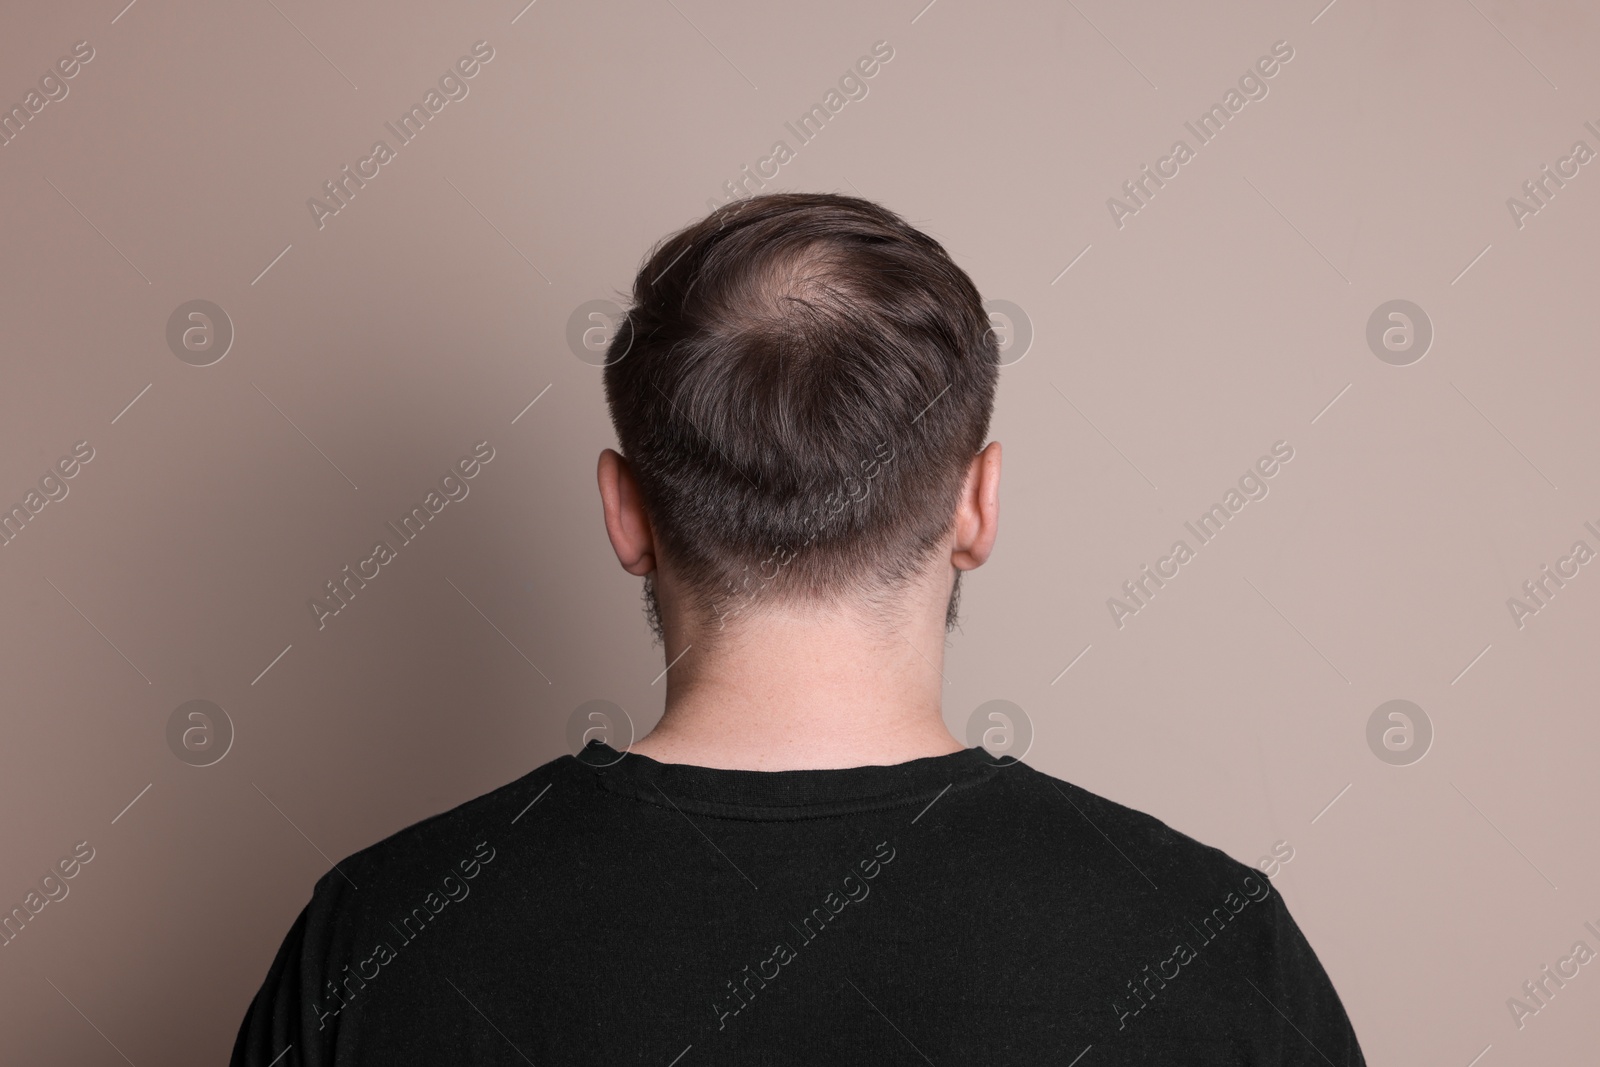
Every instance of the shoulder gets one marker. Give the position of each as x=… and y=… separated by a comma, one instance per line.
x=1190, y=908
x=1169, y=861
x=374, y=905
x=453, y=842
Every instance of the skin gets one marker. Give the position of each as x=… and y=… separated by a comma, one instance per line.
x=802, y=687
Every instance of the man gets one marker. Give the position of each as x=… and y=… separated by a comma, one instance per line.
x=799, y=864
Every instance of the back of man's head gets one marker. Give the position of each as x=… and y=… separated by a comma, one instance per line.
x=799, y=389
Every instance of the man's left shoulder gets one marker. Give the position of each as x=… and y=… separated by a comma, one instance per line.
x=455, y=844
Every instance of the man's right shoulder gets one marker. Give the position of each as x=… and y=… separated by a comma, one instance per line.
x=1161, y=857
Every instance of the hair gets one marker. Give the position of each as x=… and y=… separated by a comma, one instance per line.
x=799, y=387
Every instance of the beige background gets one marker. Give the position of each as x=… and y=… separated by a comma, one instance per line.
x=1226, y=315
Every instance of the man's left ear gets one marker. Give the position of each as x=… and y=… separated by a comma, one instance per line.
x=625, y=519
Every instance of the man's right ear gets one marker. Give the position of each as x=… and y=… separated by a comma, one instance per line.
x=626, y=523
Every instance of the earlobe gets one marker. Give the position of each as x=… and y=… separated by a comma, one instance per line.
x=626, y=523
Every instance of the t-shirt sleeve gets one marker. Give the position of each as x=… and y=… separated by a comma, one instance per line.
x=1296, y=996
x=276, y=1031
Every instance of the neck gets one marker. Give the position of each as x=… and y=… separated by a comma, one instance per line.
x=805, y=688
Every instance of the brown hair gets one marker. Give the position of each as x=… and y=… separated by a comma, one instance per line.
x=799, y=387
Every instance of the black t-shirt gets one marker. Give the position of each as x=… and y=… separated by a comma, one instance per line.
x=612, y=909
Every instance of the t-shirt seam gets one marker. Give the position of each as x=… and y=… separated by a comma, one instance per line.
x=694, y=802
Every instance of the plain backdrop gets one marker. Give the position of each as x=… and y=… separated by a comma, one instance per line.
x=1155, y=353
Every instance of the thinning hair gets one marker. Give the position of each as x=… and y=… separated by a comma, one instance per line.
x=799, y=387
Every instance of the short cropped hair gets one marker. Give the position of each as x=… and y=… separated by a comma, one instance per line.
x=799, y=387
